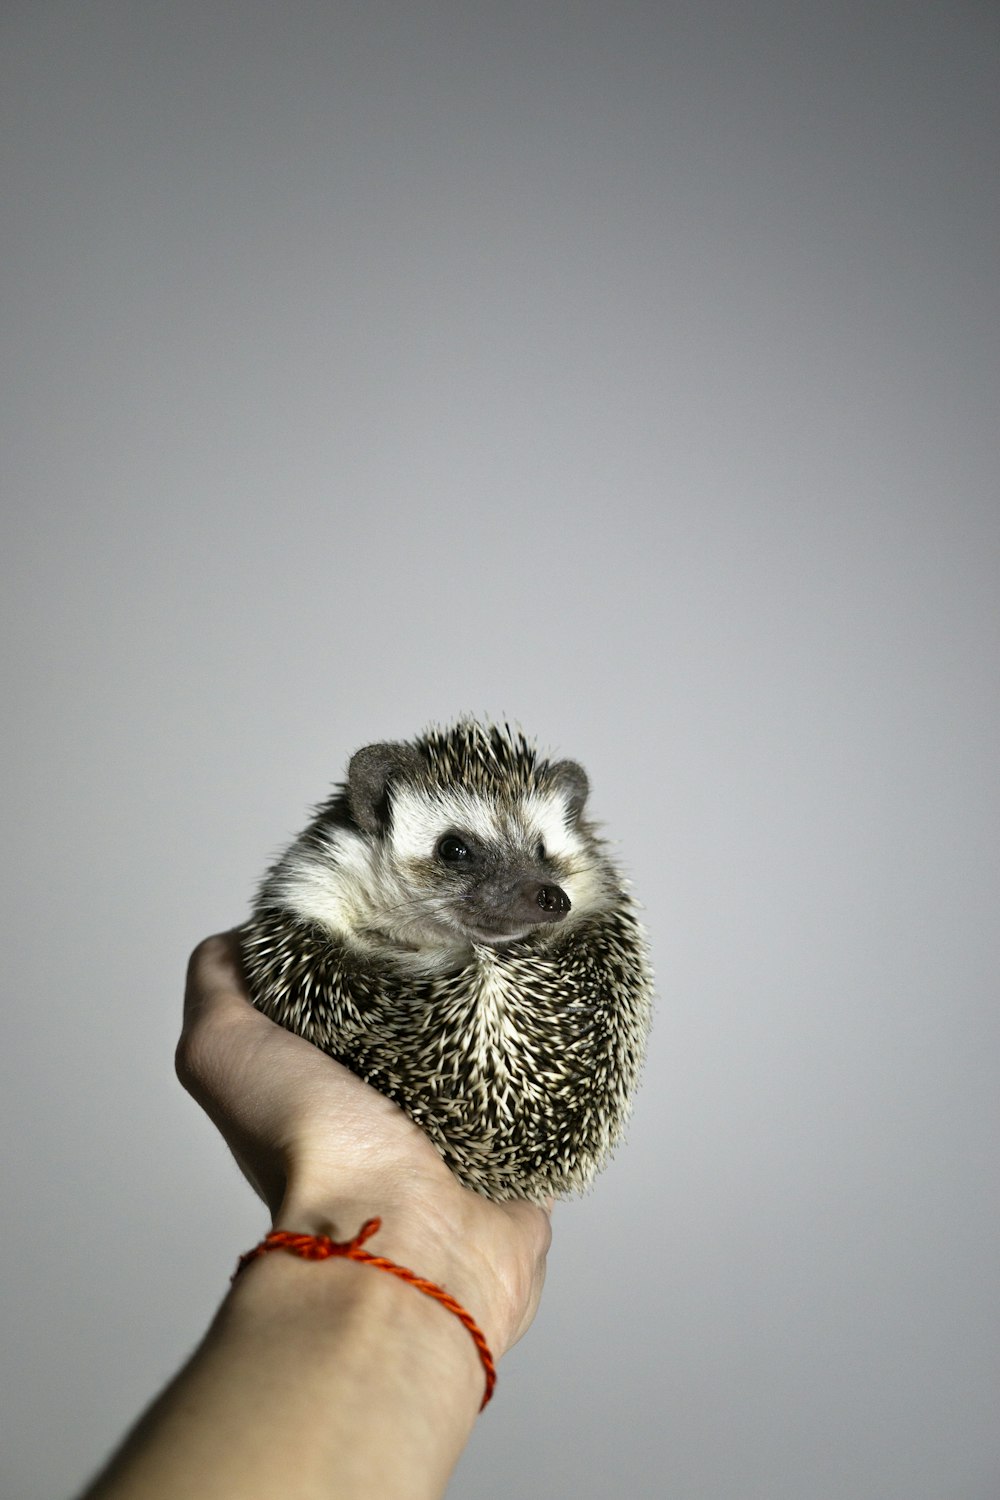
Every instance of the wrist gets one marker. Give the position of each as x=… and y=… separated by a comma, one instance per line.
x=421, y=1237
x=327, y=1296
x=322, y=1243
x=489, y=1256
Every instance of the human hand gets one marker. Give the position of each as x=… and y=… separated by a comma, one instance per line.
x=326, y=1151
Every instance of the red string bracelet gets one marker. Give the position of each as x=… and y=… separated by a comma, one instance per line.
x=321, y=1247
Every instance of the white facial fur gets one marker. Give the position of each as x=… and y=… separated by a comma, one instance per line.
x=419, y=822
x=375, y=894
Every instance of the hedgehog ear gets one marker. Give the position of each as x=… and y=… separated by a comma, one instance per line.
x=369, y=776
x=571, y=780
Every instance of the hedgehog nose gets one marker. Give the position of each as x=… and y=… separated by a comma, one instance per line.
x=553, y=899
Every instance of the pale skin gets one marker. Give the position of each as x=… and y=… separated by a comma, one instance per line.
x=329, y=1379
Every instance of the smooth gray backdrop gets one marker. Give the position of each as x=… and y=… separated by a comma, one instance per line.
x=630, y=370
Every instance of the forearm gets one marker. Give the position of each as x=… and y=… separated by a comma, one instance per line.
x=315, y=1380
x=322, y=1380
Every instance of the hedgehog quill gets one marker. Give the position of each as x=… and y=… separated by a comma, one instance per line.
x=451, y=927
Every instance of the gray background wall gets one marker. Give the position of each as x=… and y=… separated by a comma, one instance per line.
x=630, y=370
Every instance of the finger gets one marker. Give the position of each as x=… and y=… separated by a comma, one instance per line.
x=214, y=972
x=535, y=1219
x=215, y=1002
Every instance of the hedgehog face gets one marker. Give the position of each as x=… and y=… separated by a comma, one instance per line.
x=456, y=841
x=483, y=870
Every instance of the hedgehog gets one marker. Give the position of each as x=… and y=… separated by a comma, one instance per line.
x=451, y=927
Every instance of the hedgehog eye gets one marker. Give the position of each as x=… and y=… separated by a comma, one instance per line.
x=452, y=850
